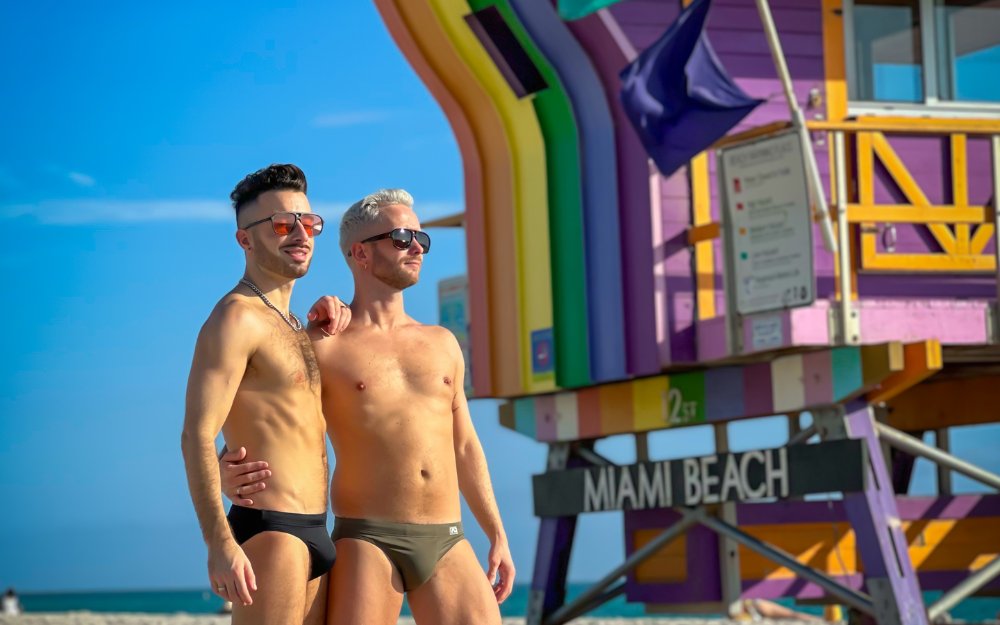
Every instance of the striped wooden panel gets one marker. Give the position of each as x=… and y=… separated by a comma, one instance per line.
x=567, y=417
x=788, y=384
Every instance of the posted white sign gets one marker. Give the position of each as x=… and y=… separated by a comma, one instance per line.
x=768, y=223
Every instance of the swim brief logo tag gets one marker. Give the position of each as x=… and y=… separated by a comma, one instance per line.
x=453, y=530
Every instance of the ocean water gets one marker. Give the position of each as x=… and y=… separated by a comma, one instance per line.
x=973, y=610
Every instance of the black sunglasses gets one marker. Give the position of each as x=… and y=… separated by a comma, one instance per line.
x=402, y=238
x=284, y=223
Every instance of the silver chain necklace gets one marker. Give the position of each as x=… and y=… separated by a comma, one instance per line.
x=297, y=326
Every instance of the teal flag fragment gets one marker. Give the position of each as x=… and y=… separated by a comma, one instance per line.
x=575, y=9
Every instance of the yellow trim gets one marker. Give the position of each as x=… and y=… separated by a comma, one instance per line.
x=960, y=190
x=871, y=259
x=834, y=59
x=902, y=177
x=704, y=233
x=981, y=238
x=861, y=213
x=911, y=125
x=701, y=234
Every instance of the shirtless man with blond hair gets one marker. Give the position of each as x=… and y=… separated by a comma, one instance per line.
x=396, y=412
x=255, y=378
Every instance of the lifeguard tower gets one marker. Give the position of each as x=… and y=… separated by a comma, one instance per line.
x=604, y=298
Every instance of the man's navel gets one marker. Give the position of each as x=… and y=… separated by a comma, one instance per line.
x=361, y=386
x=447, y=380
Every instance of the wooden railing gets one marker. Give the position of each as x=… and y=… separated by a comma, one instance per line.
x=962, y=231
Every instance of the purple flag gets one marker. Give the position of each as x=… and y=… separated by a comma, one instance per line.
x=677, y=94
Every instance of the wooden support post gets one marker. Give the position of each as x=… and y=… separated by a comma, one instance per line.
x=555, y=543
x=942, y=438
x=794, y=424
x=642, y=447
x=889, y=574
x=729, y=552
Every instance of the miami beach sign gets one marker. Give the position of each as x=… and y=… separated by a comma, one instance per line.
x=835, y=466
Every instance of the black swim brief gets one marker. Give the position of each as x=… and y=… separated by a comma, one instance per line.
x=309, y=528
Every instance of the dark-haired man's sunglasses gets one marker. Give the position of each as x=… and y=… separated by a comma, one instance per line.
x=402, y=238
x=284, y=223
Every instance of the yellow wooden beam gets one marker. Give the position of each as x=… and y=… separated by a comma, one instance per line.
x=880, y=361
x=934, y=405
x=896, y=213
x=703, y=233
x=902, y=177
x=923, y=359
x=981, y=238
x=910, y=125
x=704, y=256
x=960, y=190
x=871, y=259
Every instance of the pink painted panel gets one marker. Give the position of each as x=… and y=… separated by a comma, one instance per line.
x=951, y=322
x=817, y=376
x=810, y=325
x=545, y=418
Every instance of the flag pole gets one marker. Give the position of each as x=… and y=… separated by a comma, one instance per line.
x=820, y=209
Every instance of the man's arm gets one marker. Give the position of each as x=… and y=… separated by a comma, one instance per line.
x=224, y=347
x=474, y=482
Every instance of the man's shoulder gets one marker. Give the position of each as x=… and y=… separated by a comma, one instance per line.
x=233, y=313
x=439, y=334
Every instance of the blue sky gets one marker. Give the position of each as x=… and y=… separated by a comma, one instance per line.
x=124, y=129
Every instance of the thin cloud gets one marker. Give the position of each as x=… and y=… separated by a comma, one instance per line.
x=81, y=179
x=346, y=119
x=91, y=211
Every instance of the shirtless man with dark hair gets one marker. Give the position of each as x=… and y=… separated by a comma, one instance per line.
x=395, y=406
x=255, y=378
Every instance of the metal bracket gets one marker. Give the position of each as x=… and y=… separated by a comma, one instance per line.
x=841, y=332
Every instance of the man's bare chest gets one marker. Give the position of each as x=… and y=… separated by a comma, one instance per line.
x=288, y=360
x=382, y=370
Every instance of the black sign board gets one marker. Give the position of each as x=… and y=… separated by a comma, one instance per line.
x=835, y=466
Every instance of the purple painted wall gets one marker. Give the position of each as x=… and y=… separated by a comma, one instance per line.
x=735, y=31
x=737, y=36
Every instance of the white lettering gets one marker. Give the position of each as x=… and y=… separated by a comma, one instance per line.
x=708, y=480
x=731, y=480
x=651, y=493
x=744, y=465
x=692, y=487
x=596, y=496
x=626, y=489
x=777, y=471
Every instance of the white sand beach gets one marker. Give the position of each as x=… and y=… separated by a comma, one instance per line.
x=91, y=618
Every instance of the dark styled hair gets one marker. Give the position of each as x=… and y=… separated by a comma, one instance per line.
x=271, y=178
